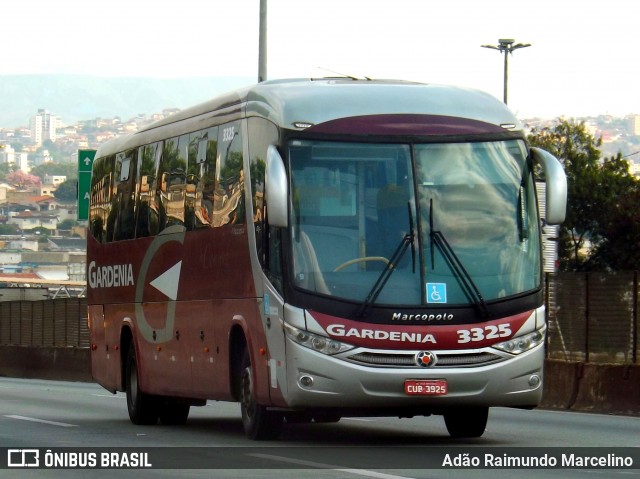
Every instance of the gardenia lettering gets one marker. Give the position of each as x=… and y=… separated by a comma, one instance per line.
x=402, y=336
x=110, y=276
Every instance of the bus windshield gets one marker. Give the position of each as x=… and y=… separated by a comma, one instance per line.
x=442, y=223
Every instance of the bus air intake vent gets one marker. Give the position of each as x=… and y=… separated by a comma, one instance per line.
x=455, y=360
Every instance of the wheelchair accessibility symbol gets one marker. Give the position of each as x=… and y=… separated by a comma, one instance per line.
x=436, y=293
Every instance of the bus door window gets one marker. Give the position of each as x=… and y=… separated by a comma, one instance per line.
x=172, y=181
x=147, y=207
x=228, y=205
x=123, y=201
x=263, y=133
x=101, y=197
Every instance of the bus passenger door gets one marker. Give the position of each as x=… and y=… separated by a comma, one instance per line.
x=273, y=313
x=272, y=319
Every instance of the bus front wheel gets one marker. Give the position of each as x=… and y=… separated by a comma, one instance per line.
x=143, y=408
x=466, y=423
x=258, y=421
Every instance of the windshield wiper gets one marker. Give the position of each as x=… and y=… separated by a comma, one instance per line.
x=390, y=267
x=469, y=286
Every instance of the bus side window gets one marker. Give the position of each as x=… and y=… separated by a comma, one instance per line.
x=170, y=190
x=228, y=197
x=100, y=197
x=208, y=177
x=147, y=208
x=124, y=199
x=200, y=178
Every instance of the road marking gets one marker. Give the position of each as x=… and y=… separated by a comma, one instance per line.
x=319, y=465
x=43, y=421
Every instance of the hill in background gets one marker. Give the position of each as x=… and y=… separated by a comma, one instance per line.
x=77, y=97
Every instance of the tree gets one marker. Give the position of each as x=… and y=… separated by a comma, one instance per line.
x=67, y=191
x=21, y=180
x=601, y=195
x=5, y=168
x=620, y=247
x=56, y=169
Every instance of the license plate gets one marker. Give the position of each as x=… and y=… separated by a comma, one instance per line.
x=426, y=387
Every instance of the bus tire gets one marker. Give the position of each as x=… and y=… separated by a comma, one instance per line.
x=143, y=408
x=467, y=423
x=259, y=423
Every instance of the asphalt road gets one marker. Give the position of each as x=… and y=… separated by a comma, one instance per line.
x=80, y=418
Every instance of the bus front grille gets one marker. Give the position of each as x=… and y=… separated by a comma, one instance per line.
x=444, y=360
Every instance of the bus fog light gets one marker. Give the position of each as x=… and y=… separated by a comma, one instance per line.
x=534, y=380
x=306, y=381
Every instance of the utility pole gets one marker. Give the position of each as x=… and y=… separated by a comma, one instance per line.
x=506, y=46
x=262, y=43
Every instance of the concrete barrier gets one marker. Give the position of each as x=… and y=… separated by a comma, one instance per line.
x=561, y=384
x=65, y=364
x=607, y=389
x=601, y=388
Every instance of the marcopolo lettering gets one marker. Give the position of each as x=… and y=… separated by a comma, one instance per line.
x=110, y=276
x=402, y=336
x=422, y=317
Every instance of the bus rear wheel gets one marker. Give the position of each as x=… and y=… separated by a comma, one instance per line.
x=143, y=408
x=466, y=423
x=259, y=423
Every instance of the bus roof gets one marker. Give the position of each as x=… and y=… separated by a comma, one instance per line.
x=289, y=102
x=297, y=103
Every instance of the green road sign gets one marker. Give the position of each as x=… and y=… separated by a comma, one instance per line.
x=85, y=162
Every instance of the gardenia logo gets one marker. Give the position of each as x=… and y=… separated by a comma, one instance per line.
x=110, y=276
x=376, y=334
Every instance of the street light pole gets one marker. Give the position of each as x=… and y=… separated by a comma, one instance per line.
x=506, y=46
x=262, y=43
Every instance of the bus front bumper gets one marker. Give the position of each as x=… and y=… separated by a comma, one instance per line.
x=316, y=380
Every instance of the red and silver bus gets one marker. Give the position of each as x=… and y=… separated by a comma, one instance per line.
x=318, y=249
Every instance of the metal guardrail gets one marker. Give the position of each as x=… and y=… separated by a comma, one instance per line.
x=52, y=322
x=593, y=317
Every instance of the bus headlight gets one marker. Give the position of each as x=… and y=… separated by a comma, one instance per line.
x=523, y=343
x=322, y=344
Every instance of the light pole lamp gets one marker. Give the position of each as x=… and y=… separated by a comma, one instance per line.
x=506, y=46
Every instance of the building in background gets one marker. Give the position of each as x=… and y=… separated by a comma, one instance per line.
x=17, y=159
x=633, y=125
x=43, y=127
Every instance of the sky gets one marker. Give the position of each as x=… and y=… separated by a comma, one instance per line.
x=583, y=60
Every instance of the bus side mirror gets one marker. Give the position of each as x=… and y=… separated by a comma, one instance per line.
x=556, y=196
x=277, y=190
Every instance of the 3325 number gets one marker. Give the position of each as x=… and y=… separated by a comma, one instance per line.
x=480, y=334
